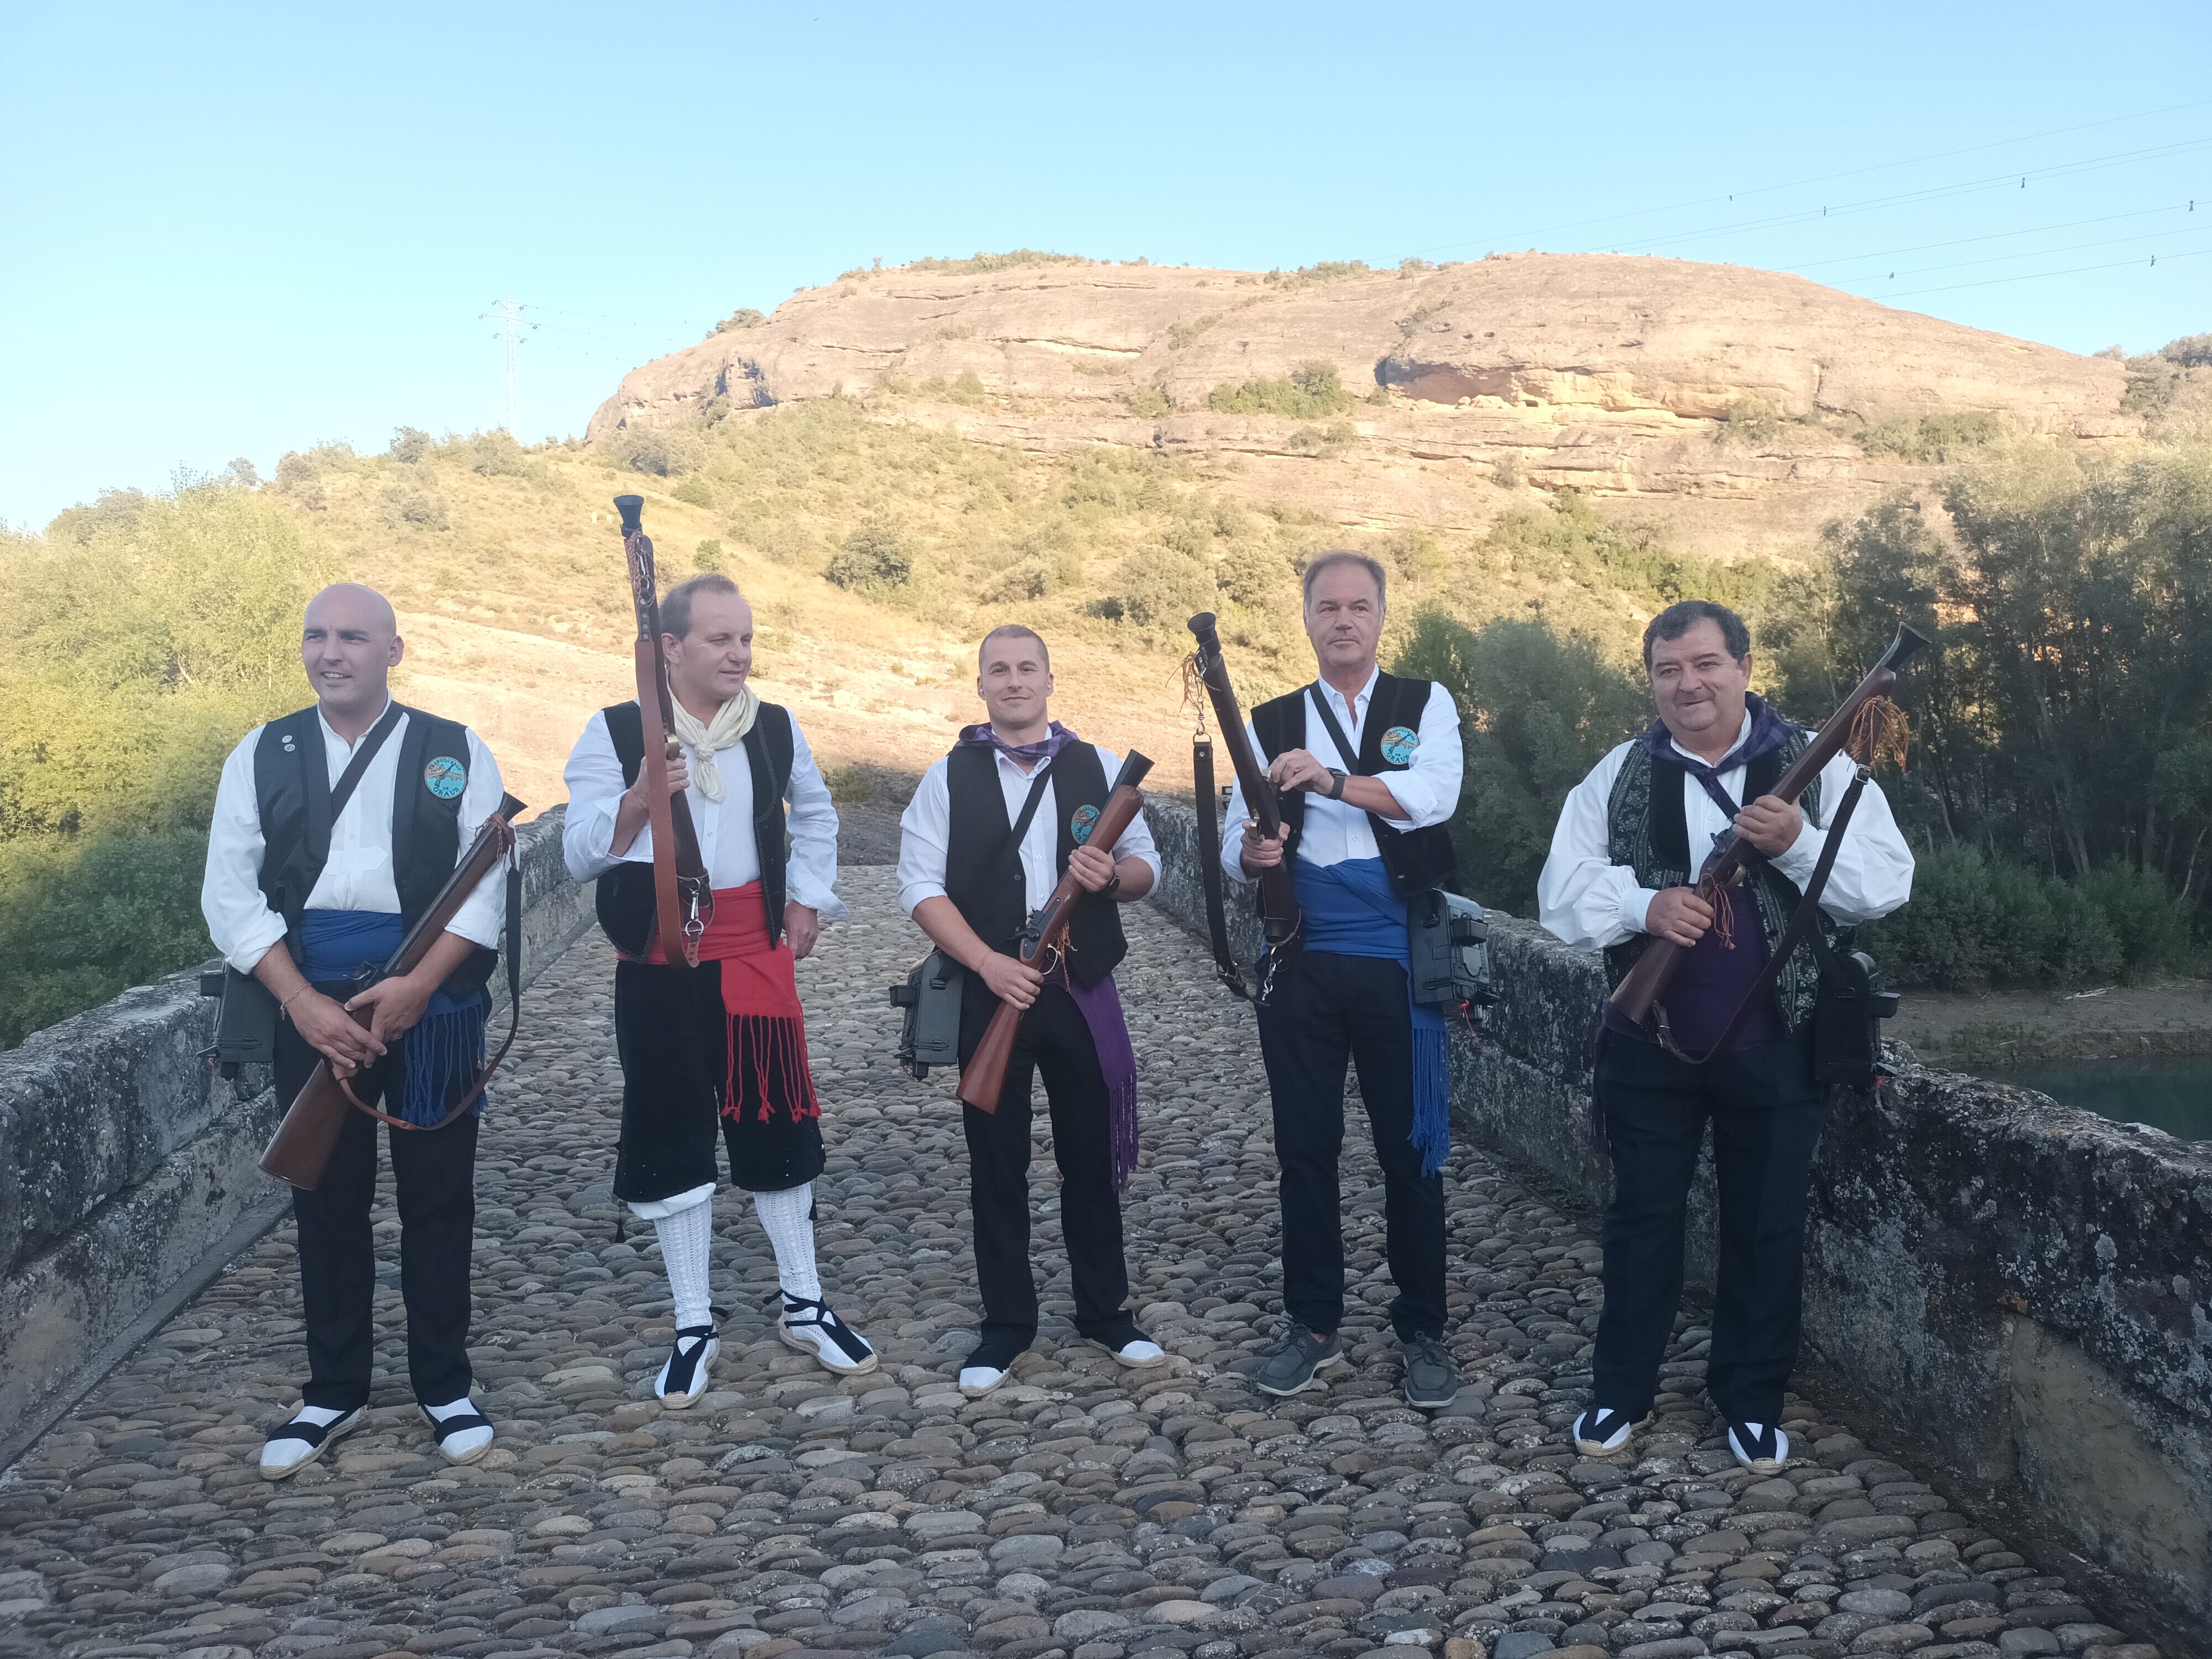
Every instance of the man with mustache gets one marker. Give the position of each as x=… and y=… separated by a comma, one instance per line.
x=334, y=829
x=1368, y=765
x=1630, y=842
x=723, y=1042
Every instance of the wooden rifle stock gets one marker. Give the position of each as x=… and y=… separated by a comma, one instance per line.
x=1646, y=983
x=299, y=1152
x=983, y=1078
x=684, y=898
x=1279, y=899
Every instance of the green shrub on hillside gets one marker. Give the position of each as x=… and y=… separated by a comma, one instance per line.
x=143, y=636
x=742, y=317
x=873, y=559
x=1160, y=586
x=409, y=506
x=1311, y=392
x=410, y=444
x=1931, y=439
x=1149, y=401
x=694, y=492
x=659, y=451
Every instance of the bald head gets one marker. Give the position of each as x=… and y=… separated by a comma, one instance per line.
x=350, y=643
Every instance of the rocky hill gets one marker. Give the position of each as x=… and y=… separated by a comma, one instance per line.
x=1742, y=407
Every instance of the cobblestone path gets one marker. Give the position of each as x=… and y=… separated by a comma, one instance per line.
x=1072, y=1512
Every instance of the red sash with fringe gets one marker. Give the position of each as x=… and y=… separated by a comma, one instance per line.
x=760, y=993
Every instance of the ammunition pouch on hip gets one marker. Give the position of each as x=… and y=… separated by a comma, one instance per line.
x=930, y=1034
x=1448, y=951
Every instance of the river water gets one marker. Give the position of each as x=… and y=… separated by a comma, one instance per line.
x=2170, y=1093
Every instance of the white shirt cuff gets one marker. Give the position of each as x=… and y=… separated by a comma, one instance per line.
x=1797, y=860
x=1636, y=908
x=246, y=954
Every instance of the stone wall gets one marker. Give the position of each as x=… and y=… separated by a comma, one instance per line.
x=126, y=1165
x=2019, y=1292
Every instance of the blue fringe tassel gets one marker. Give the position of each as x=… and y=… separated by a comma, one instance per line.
x=1432, y=1089
x=443, y=1054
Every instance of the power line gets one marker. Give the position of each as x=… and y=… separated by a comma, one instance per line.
x=2037, y=276
x=2033, y=253
x=508, y=314
x=1932, y=193
x=1826, y=178
x=2188, y=206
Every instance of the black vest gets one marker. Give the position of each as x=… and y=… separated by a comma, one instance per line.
x=983, y=866
x=624, y=899
x=1648, y=829
x=292, y=789
x=1416, y=859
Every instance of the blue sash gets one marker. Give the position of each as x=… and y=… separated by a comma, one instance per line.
x=440, y=1058
x=1351, y=910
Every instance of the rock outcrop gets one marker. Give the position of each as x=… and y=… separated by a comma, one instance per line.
x=1727, y=398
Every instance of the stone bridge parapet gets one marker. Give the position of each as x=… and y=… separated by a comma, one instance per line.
x=128, y=1167
x=2020, y=1291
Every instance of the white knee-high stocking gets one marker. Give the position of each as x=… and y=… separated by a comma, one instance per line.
x=685, y=1239
x=787, y=1218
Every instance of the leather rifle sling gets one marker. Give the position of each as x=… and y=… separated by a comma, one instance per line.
x=349, y=780
x=1209, y=866
x=1800, y=921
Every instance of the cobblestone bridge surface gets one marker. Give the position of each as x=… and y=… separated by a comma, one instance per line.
x=1075, y=1512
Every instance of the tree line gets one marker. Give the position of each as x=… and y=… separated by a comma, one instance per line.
x=2058, y=789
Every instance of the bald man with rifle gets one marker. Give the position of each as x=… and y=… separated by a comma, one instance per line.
x=334, y=830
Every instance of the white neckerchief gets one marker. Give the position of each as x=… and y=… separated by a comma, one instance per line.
x=725, y=731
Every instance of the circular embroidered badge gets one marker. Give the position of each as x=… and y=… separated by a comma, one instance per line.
x=445, y=777
x=1085, y=821
x=1399, y=745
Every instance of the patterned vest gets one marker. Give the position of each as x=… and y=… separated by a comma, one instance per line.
x=1647, y=831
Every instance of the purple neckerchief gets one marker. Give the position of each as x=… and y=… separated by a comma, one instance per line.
x=1100, y=1005
x=1025, y=755
x=1769, y=732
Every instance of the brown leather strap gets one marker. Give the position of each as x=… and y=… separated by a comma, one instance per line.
x=1800, y=922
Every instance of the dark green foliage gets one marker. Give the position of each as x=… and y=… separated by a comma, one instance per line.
x=408, y=506
x=873, y=558
x=659, y=453
x=1976, y=920
x=1537, y=712
x=1161, y=586
x=143, y=635
x=709, y=554
x=1567, y=538
x=80, y=921
x=1149, y=402
x=496, y=455
x=694, y=492
x=1929, y=439
x=409, y=444
x=1311, y=392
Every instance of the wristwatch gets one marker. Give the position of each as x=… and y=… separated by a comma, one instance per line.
x=1113, y=886
x=1335, y=784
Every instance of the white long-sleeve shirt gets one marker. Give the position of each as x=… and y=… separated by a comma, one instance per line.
x=725, y=827
x=927, y=826
x=1427, y=791
x=1590, y=901
x=358, y=875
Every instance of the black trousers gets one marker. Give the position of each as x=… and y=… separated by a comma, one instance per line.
x=1052, y=1039
x=1326, y=1010
x=435, y=1172
x=1766, y=1114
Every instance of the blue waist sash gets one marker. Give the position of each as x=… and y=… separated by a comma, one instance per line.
x=440, y=1058
x=1351, y=910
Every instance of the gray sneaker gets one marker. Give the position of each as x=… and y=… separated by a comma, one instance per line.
x=1289, y=1366
x=1432, y=1379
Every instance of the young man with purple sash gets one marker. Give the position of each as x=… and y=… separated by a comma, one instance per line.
x=986, y=838
x=334, y=828
x=1623, y=865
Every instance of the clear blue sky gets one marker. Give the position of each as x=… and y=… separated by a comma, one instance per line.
x=236, y=230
